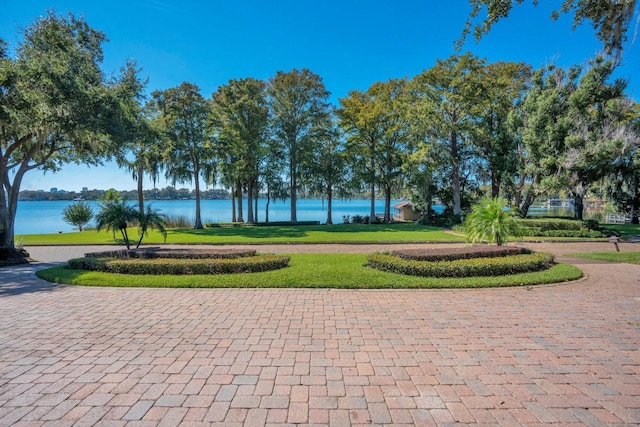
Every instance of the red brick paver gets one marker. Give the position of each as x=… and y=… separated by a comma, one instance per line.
x=558, y=354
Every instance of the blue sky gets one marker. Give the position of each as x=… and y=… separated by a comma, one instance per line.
x=349, y=43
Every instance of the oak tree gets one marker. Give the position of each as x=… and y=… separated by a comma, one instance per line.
x=56, y=106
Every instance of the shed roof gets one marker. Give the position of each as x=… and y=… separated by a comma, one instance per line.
x=402, y=205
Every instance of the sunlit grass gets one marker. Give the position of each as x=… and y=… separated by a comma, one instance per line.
x=624, y=257
x=624, y=229
x=340, y=233
x=346, y=271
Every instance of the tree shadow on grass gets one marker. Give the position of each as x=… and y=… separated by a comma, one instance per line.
x=299, y=231
x=248, y=232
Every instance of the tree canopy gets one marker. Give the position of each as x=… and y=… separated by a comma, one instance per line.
x=610, y=19
x=57, y=106
x=460, y=130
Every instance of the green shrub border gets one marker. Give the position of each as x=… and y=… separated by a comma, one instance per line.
x=546, y=225
x=452, y=254
x=463, y=268
x=159, y=266
x=151, y=253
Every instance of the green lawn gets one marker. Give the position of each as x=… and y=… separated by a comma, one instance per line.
x=340, y=233
x=625, y=257
x=624, y=229
x=310, y=271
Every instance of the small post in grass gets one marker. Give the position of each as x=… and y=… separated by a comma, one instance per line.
x=614, y=240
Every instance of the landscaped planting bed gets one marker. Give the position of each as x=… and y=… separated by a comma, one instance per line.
x=469, y=262
x=148, y=253
x=562, y=228
x=179, y=262
x=451, y=254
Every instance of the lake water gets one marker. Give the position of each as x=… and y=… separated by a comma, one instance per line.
x=43, y=217
x=39, y=217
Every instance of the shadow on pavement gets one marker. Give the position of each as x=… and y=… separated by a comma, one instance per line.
x=21, y=279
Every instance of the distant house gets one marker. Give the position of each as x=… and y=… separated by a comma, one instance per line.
x=405, y=211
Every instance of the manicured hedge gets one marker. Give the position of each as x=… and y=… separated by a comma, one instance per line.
x=536, y=232
x=258, y=224
x=149, y=253
x=463, y=268
x=545, y=225
x=251, y=264
x=198, y=253
x=562, y=228
x=452, y=254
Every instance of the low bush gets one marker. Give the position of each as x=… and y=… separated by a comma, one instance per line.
x=591, y=224
x=89, y=263
x=258, y=224
x=452, y=254
x=546, y=225
x=13, y=256
x=499, y=266
x=570, y=233
x=158, y=266
x=563, y=228
x=564, y=233
x=197, y=253
x=150, y=253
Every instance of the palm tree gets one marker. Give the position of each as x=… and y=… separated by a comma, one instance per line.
x=116, y=215
x=490, y=221
x=152, y=218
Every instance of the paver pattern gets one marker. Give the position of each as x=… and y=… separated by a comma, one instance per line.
x=563, y=354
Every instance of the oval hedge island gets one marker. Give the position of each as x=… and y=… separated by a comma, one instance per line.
x=179, y=262
x=478, y=266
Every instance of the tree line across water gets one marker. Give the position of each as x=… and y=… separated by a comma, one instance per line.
x=458, y=130
x=166, y=193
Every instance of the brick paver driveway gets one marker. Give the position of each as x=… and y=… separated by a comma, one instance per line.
x=559, y=354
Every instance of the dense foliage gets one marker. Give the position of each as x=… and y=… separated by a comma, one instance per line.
x=563, y=228
x=56, y=106
x=485, y=266
x=609, y=19
x=78, y=214
x=451, y=254
x=463, y=129
x=160, y=266
x=489, y=221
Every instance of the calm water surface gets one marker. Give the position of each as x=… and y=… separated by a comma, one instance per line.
x=46, y=216
x=39, y=217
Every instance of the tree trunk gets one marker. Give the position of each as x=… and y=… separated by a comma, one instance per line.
x=139, y=174
x=7, y=220
x=255, y=201
x=266, y=209
x=233, y=204
x=8, y=208
x=372, y=210
x=250, y=218
x=495, y=184
x=455, y=175
x=125, y=236
x=329, y=200
x=526, y=204
x=578, y=206
x=635, y=211
x=387, y=204
x=517, y=191
x=142, y=232
x=239, y=196
x=196, y=175
x=635, y=204
x=293, y=184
